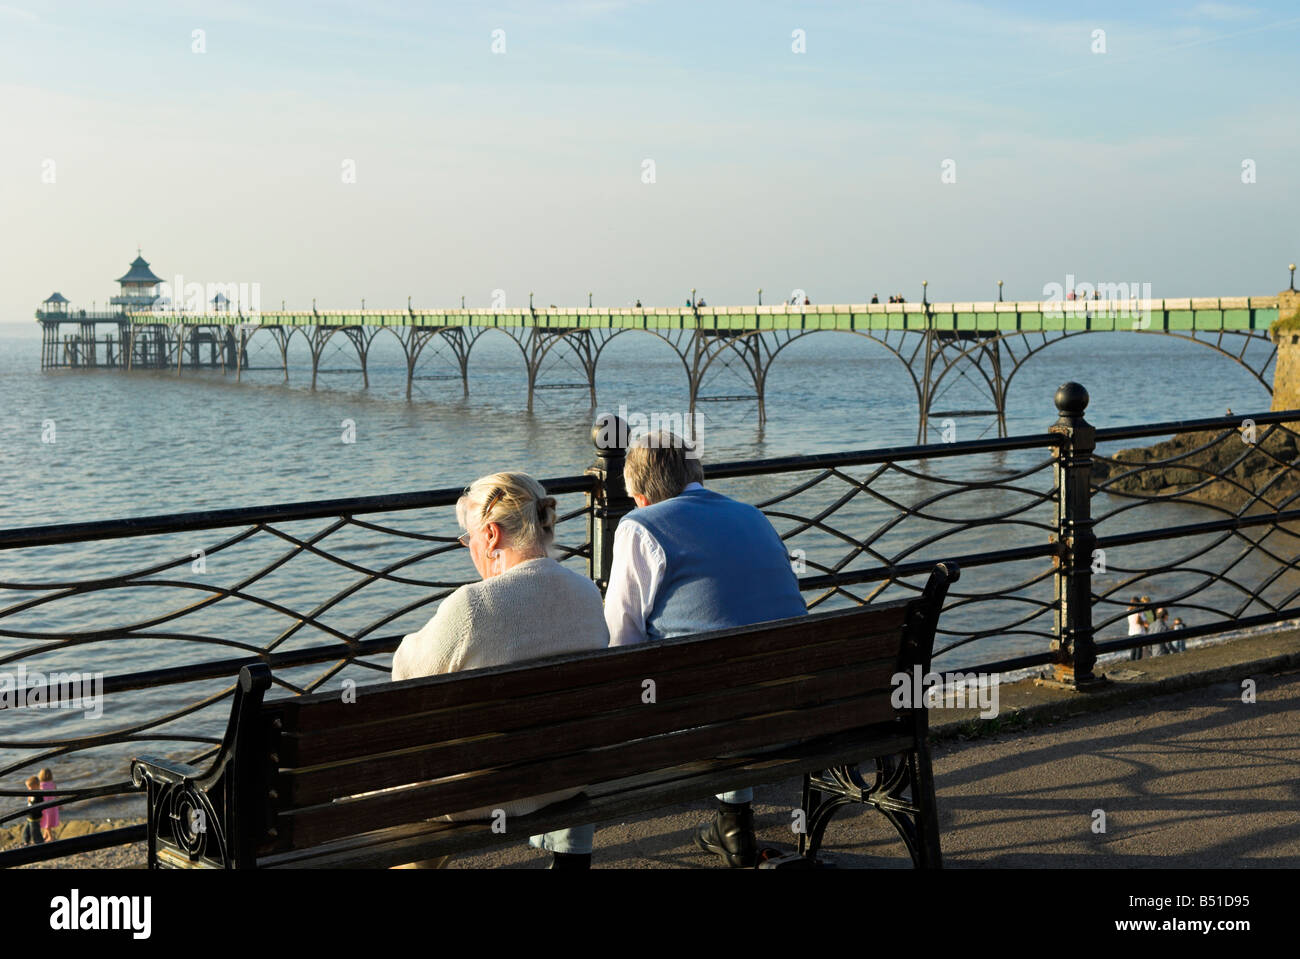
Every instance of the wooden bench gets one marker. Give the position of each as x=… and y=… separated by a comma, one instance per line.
x=641, y=727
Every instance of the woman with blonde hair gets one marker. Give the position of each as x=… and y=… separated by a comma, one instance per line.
x=525, y=607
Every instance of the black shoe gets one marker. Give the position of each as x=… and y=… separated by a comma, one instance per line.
x=730, y=834
x=570, y=860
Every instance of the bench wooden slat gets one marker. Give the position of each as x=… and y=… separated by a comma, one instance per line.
x=309, y=786
x=564, y=673
x=321, y=824
x=332, y=744
x=609, y=801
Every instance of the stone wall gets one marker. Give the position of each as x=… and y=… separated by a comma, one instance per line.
x=1286, y=374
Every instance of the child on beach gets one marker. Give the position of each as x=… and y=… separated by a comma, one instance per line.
x=32, y=826
x=49, y=817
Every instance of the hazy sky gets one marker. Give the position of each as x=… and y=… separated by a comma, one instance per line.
x=524, y=169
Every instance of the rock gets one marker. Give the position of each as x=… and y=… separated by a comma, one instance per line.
x=1229, y=470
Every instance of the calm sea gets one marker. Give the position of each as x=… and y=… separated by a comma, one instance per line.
x=147, y=443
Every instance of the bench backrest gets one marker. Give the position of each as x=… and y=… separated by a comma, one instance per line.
x=485, y=737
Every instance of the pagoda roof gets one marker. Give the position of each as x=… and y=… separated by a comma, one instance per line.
x=56, y=298
x=139, y=273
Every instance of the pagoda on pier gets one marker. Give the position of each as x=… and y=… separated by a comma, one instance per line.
x=138, y=287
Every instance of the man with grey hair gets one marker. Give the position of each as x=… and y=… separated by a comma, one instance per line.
x=688, y=560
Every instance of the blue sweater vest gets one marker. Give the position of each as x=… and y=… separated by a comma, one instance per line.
x=726, y=565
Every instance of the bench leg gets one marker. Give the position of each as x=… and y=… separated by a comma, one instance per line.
x=843, y=785
x=809, y=800
x=927, y=820
x=902, y=791
x=818, y=812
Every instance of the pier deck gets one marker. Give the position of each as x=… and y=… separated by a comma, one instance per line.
x=726, y=351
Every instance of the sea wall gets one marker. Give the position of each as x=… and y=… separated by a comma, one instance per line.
x=1286, y=334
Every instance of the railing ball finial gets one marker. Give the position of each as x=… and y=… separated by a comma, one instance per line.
x=609, y=434
x=1071, y=400
x=1293, y=278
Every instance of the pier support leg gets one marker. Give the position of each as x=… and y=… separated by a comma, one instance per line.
x=927, y=388
x=952, y=356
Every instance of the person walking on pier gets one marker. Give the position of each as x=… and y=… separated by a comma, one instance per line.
x=687, y=560
x=525, y=607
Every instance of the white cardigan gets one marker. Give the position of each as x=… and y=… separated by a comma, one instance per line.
x=536, y=608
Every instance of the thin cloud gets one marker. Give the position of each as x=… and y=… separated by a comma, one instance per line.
x=1223, y=11
x=17, y=13
x=1151, y=52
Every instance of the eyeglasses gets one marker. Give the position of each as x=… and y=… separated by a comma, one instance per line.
x=464, y=538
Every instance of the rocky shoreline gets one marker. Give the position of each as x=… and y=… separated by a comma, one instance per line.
x=130, y=856
x=1230, y=472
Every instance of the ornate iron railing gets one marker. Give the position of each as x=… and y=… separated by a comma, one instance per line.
x=1232, y=562
x=869, y=526
x=323, y=591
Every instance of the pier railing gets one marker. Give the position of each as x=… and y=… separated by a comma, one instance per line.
x=1055, y=533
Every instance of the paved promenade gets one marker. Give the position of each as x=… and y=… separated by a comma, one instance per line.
x=1186, y=773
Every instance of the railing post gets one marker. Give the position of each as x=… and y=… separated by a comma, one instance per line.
x=609, y=501
x=1073, y=645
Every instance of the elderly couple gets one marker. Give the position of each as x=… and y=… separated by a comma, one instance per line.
x=686, y=560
